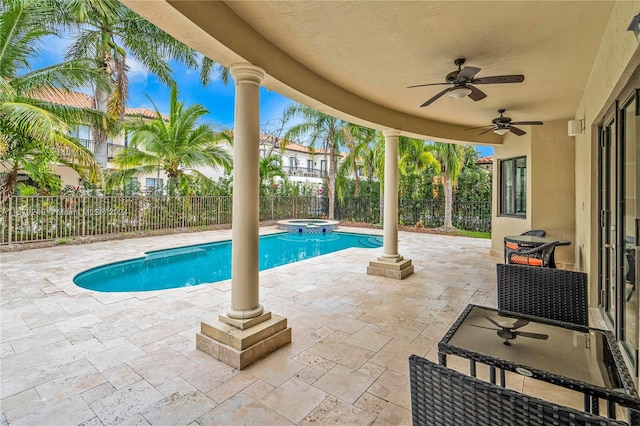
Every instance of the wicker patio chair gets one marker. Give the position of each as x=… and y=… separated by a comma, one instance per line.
x=543, y=292
x=536, y=256
x=441, y=396
x=510, y=247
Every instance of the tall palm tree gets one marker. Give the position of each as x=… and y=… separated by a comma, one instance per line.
x=110, y=32
x=357, y=140
x=33, y=131
x=450, y=157
x=177, y=145
x=324, y=132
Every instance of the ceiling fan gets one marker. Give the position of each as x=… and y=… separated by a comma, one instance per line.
x=502, y=125
x=462, y=81
x=508, y=332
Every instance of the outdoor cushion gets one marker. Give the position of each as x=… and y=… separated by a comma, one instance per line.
x=524, y=260
x=512, y=246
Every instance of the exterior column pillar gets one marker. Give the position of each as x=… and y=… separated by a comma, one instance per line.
x=390, y=264
x=246, y=332
x=246, y=219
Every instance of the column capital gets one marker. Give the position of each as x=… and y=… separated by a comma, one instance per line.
x=389, y=133
x=246, y=73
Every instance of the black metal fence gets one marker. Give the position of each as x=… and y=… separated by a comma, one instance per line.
x=39, y=218
x=472, y=216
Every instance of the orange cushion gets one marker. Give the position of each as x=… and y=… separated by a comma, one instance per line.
x=512, y=246
x=524, y=260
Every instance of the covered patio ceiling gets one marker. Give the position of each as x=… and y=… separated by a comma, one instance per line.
x=356, y=59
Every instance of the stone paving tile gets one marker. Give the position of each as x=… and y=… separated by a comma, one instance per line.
x=120, y=405
x=178, y=409
x=294, y=400
x=130, y=358
x=68, y=412
x=335, y=411
x=173, y=364
x=22, y=404
x=242, y=410
x=346, y=384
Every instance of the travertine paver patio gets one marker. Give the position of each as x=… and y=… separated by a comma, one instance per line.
x=72, y=356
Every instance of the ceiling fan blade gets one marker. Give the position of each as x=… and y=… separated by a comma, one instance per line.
x=531, y=335
x=486, y=131
x=479, y=127
x=476, y=94
x=494, y=322
x=436, y=97
x=527, y=123
x=519, y=324
x=430, y=84
x=516, y=131
x=487, y=328
x=496, y=79
x=468, y=73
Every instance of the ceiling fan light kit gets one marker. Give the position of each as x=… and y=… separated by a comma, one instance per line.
x=459, y=92
x=501, y=132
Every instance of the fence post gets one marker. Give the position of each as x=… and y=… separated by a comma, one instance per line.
x=84, y=213
x=10, y=239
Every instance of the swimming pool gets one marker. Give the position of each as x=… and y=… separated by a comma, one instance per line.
x=208, y=263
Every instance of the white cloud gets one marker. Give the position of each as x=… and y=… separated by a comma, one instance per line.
x=137, y=71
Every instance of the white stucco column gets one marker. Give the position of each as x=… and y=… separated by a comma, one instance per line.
x=246, y=157
x=390, y=264
x=390, y=242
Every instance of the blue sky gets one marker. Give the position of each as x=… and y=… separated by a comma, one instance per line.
x=217, y=97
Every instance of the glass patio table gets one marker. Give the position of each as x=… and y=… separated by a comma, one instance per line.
x=580, y=358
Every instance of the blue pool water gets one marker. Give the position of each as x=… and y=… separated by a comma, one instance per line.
x=207, y=263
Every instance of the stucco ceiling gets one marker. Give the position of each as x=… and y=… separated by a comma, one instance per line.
x=357, y=58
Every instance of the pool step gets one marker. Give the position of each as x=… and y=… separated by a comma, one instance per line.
x=175, y=252
x=371, y=242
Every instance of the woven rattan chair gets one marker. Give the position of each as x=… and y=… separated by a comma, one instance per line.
x=543, y=292
x=536, y=256
x=441, y=396
x=510, y=247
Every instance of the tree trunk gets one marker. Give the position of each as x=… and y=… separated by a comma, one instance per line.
x=331, y=184
x=448, y=202
x=100, y=150
x=9, y=184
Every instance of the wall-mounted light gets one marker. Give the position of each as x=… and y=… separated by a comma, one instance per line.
x=501, y=131
x=635, y=26
x=459, y=92
x=575, y=127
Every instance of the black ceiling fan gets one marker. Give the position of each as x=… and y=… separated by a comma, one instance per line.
x=508, y=332
x=502, y=125
x=462, y=81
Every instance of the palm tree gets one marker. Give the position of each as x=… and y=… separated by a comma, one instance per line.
x=32, y=131
x=110, y=32
x=176, y=145
x=270, y=167
x=324, y=132
x=357, y=140
x=450, y=157
x=415, y=158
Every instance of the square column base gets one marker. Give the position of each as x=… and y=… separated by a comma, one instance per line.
x=398, y=270
x=240, y=348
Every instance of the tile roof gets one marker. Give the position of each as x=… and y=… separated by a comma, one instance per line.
x=485, y=160
x=82, y=100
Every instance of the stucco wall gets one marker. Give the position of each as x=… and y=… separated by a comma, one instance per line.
x=550, y=186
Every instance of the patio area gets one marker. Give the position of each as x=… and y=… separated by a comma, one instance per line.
x=72, y=356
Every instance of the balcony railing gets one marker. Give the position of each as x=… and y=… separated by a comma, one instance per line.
x=303, y=172
x=87, y=143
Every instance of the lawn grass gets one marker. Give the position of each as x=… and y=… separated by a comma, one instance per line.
x=476, y=234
